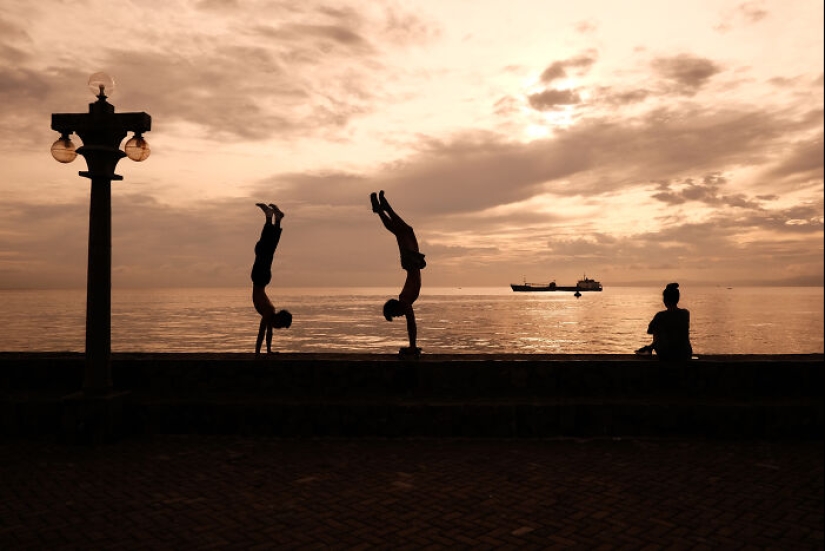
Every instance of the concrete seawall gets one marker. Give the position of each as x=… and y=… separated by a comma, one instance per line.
x=773, y=396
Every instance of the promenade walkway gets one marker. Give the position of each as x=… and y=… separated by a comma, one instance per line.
x=235, y=492
x=369, y=452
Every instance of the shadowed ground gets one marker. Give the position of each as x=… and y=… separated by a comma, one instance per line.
x=202, y=461
x=230, y=492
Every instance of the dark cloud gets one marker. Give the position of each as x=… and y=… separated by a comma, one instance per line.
x=550, y=99
x=202, y=244
x=475, y=171
x=802, y=219
x=328, y=38
x=688, y=71
x=609, y=96
x=320, y=188
x=559, y=69
x=329, y=229
x=715, y=246
x=12, y=56
x=308, y=75
x=705, y=191
x=11, y=31
x=406, y=27
x=448, y=188
x=804, y=161
x=43, y=251
x=218, y=5
x=20, y=84
x=785, y=82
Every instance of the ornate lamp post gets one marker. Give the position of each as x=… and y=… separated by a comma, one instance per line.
x=101, y=131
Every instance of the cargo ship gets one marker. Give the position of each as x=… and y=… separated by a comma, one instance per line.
x=583, y=285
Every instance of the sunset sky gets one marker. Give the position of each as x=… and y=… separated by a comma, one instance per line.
x=638, y=142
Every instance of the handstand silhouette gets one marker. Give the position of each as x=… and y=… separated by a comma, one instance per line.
x=262, y=275
x=411, y=260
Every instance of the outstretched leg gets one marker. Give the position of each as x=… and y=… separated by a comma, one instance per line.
x=266, y=245
x=267, y=211
x=385, y=206
x=277, y=212
x=394, y=223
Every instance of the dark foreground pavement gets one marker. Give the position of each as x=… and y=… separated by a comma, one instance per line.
x=233, y=492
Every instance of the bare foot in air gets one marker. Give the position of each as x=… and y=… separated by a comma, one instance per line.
x=266, y=208
x=278, y=213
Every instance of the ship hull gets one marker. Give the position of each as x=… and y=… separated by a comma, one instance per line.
x=548, y=288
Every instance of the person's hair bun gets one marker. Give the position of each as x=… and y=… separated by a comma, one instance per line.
x=672, y=286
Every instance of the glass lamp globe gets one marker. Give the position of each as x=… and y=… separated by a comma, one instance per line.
x=63, y=150
x=137, y=149
x=101, y=84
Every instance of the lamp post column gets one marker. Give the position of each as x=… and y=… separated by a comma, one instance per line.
x=101, y=131
x=98, y=375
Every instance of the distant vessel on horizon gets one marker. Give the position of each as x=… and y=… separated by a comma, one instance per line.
x=585, y=284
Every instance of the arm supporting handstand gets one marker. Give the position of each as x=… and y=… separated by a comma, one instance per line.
x=412, y=328
x=262, y=329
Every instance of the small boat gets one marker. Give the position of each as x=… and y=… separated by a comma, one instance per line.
x=585, y=284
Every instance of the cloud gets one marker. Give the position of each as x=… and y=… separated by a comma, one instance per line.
x=506, y=106
x=453, y=191
x=48, y=253
x=201, y=244
x=705, y=191
x=326, y=38
x=550, y=99
x=13, y=50
x=218, y=5
x=309, y=72
x=586, y=26
x=737, y=176
x=805, y=161
x=688, y=71
x=559, y=69
x=475, y=171
x=13, y=32
x=752, y=12
x=609, y=96
x=747, y=12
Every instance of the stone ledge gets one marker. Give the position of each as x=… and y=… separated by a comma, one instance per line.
x=448, y=395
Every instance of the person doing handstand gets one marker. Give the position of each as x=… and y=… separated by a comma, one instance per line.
x=262, y=275
x=412, y=261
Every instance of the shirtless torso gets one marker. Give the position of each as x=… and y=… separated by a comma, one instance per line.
x=261, y=301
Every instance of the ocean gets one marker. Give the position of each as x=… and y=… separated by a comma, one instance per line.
x=746, y=320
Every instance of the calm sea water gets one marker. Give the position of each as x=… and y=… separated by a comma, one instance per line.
x=470, y=320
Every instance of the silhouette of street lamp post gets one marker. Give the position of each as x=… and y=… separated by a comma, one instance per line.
x=101, y=130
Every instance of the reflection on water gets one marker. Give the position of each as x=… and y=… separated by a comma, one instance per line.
x=723, y=321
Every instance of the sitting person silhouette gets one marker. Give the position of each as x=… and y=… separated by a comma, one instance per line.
x=412, y=261
x=670, y=329
x=262, y=275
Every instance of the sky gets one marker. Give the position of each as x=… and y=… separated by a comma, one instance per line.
x=636, y=142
